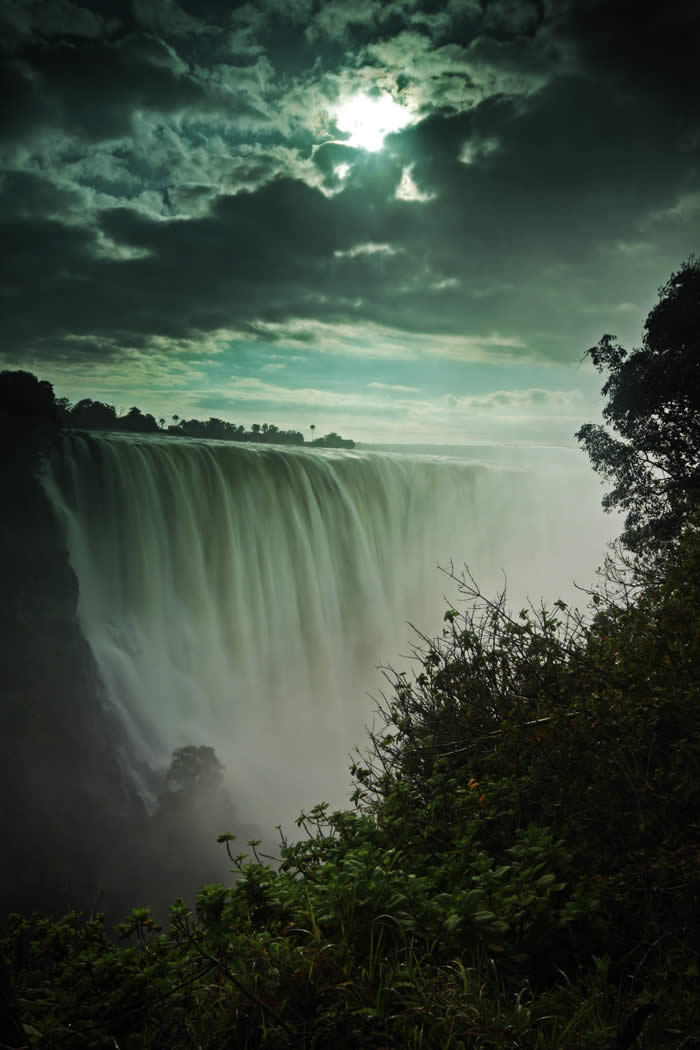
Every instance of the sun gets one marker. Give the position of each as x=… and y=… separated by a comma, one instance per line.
x=369, y=120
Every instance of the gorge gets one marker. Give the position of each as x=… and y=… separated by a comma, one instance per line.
x=242, y=597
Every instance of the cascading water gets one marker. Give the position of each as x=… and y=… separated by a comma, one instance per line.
x=242, y=596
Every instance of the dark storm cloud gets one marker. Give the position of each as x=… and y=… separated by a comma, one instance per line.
x=26, y=195
x=267, y=257
x=173, y=170
x=93, y=90
x=652, y=48
x=26, y=19
x=568, y=171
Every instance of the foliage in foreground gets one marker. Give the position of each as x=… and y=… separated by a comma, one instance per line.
x=521, y=869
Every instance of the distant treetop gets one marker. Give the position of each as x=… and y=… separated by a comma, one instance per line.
x=22, y=394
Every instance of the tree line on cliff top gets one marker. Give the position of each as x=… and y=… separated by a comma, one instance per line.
x=23, y=394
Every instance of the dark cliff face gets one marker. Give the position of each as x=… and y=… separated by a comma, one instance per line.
x=68, y=816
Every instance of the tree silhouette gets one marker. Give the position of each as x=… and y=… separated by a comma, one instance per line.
x=653, y=402
x=194, y=808
x=141, y=422
x=95, y=415
x=193, y=771
x=22, y=394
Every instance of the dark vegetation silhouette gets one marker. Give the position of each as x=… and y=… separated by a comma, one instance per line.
x=332, y=440
x=221, y=430
x=653, y=405
x=521, y=866
x=180, y=849
x=22, y=394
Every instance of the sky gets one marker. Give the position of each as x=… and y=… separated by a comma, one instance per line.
x=403, y=221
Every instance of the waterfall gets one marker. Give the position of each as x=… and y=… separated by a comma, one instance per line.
x=242, y=596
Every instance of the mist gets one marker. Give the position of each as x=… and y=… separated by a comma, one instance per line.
x=243, y=597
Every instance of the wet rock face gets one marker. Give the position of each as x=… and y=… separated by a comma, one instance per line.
x=66, y=805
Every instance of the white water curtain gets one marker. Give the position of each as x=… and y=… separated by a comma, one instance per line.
x=242, y=596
